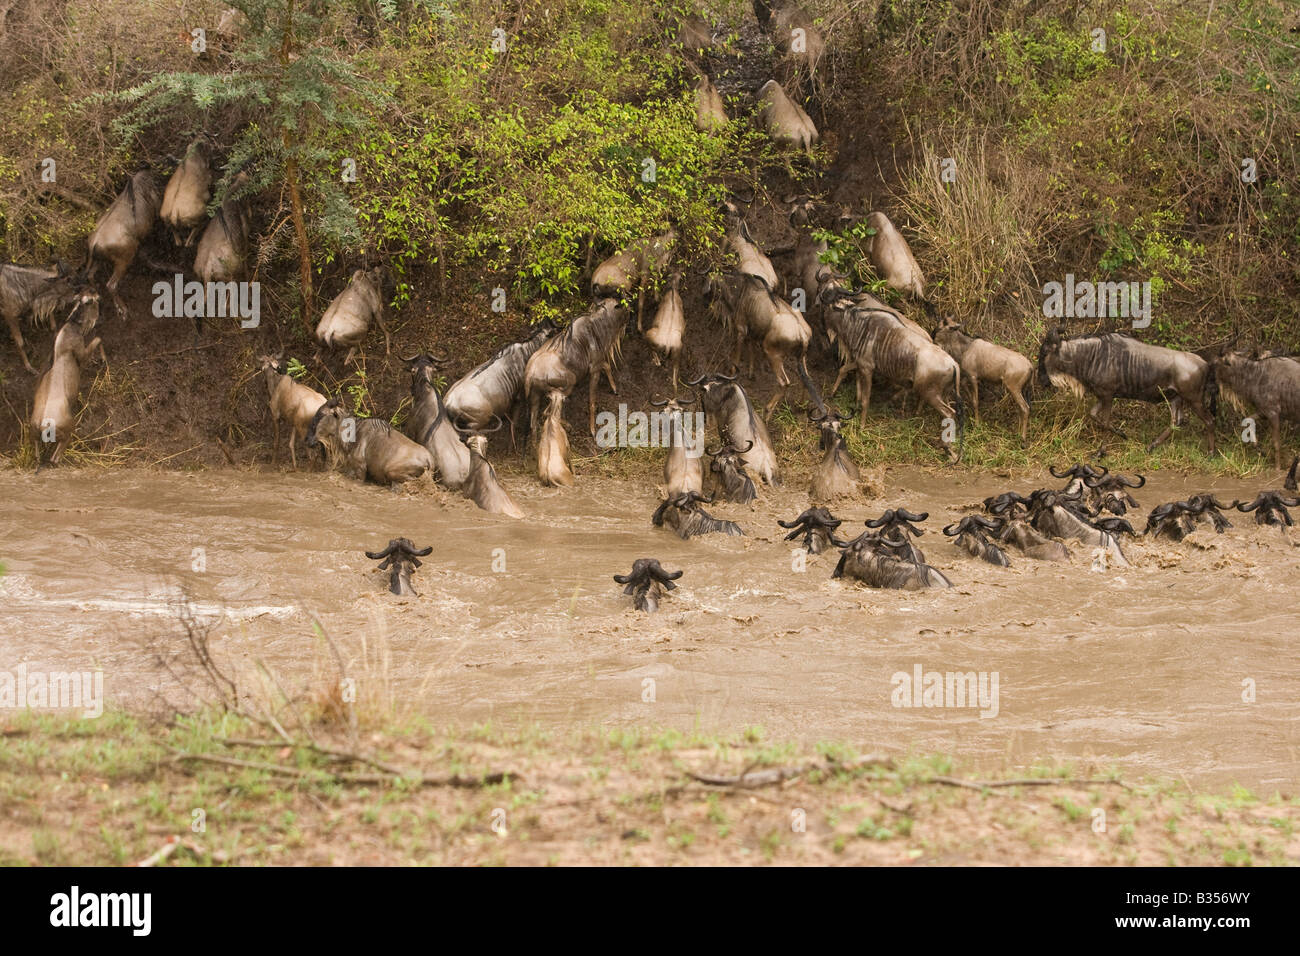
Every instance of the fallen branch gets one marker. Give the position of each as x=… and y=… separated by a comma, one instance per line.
x=419, y=780
x=766, y=778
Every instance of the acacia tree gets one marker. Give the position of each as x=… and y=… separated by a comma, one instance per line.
x=278, y=71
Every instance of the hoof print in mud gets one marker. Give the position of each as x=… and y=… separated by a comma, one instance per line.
x=647, y=582
x=400, y=559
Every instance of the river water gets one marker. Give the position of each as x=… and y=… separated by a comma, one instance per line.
x=519, y=622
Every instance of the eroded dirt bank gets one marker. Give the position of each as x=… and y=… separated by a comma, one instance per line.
x=520, y=622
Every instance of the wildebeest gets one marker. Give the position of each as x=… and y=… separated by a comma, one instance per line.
x=553, y=444
x=400, y=559
x=1270, y=508
x=710, y=111
x=1177, y=519
x=1105, y=492
x=42, y=293
x=794, y=34
x=667, y=327
x=367, y=447
x=347, y=319
x=683, y=467
x=647, y=582
x=1290, y=483
x=222, y=255
x=289, y=400
x=738, y=425
x=970, y=534
x=1011, y=510
x=873, y=559
x=588, y=346
x=750, y=259
x=431, y=426
x=630, y=270
x=121, y=228
x=892, y=257
x=1115, y=366
x=694, y=33
x=898, y=524
x=1054, y=514
x=836, y=475
x=185, y=200
x=728, y=469
x=784, y=119
x=482, y=486
x=983, y=360
x=750, y=309
x=1271, y=385
x=872, y=340
x=684, y=515
x=491, y=389
x=817, y=527
x=56, y=390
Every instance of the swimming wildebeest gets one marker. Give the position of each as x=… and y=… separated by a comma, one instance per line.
x=289, y=400
x=970, y=534
x=31, y=290
x=1177, y=519
x=873, y=559
x=431, y=426
x=56, y=390
x=981, y=359
x=1115, y=366
x=1271, y=385
x=837, y=475
x=684, y=515
x=898, y=524
x=817, y=527
x=728, y=469
x=750, y=309
x=1011, y=510
x=646, y=583
x=400, y=559
x=347, y=319
x=872, y=340
x=185, y=200
x=1270, y=508
x=367, y=447
x=1058, y=516
x=738, y=425
x=588, y=346
x=1105, y=492
x=492, y=388
x=121, y=228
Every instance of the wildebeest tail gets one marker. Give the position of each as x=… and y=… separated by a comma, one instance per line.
x=960, y=408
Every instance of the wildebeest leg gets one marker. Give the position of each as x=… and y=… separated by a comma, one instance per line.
x=275, y=442
x=676, y=358
x=864, y=391
x=776, y=360
x=1175, y=418
x=591, y=403
x=1275, y=423
x=534, y=408
x=609, y=377
x=347, y=359
x=1100, y=413
x=844, y=370
x=975, y=396
x=17, y=335
x=293, y=453
x=1014, y=390
x=119, y=270
x=735, y=354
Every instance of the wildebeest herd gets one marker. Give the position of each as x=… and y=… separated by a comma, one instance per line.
x=753, y=306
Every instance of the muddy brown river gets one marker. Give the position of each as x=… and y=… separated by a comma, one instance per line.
x=519, y=622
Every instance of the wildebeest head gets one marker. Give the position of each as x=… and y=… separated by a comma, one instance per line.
x=1049, y=354
x=326, y=424
x=817, y=527
x=1008, y=505
x=423, y=367
x=1270, y=507
x=645, y=583
x=714, y=389
x=85, y=311
x=729, y=466
x=400, y=559
x=829, y=424
x=970, y=534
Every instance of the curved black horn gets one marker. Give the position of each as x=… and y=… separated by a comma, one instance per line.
x=904, y=513
x=694, y=382
x=376, y=555
x=952, y=534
